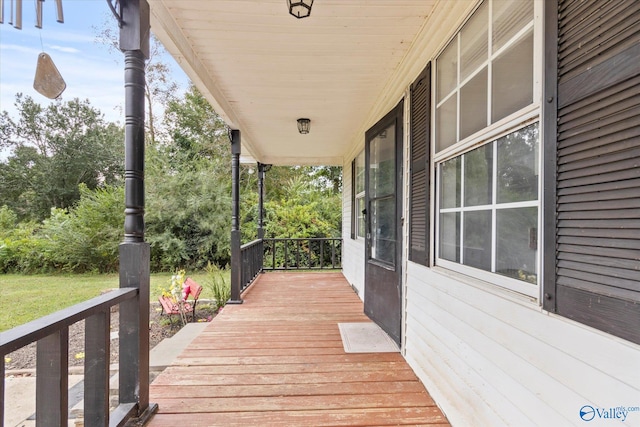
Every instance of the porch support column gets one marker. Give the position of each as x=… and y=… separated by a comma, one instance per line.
x=262, y=170
x=236, y=256
x=261, y=174
x=134, y=251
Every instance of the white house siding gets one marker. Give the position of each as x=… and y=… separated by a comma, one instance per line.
x=490, y=359
x=352, y=250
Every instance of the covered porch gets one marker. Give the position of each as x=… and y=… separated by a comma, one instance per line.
x=278, y=359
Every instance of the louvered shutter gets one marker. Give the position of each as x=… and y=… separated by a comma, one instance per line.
x=598, y=165
x=419, y=179
x=354, y=214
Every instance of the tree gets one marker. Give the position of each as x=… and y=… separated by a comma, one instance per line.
x=160, y=88
x=327, y=177
x=196, y=131
x=53, y=151
x=303, y=211
x=189, y=188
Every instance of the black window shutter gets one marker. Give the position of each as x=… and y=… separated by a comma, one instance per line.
x=354, y=214
x=597, y=191
x=420, y=117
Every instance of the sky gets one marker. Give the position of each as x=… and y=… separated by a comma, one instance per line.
x=88, y=68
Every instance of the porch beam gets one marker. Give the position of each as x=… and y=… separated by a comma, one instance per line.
x=236, y=257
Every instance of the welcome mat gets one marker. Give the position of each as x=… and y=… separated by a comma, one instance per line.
x=366, y=338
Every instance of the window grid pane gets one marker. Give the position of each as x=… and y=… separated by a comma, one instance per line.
x=360, y=172
x=512, y=79
x=478, y=176
x=447, y=68
x=517, y=243
x=360, y=224
x=474, y=44
x=473, y=104
x=518, y=166
x=508, y=18
x=450, y=236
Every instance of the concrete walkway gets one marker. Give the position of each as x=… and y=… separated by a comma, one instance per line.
x=20, y=401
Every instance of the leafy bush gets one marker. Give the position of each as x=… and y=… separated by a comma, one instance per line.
x=86, y=238
x=8, y=221
x=21, y=250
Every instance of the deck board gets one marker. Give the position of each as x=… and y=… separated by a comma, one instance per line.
x=277, y=359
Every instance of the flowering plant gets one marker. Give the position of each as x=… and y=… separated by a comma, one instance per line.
x=175, y=291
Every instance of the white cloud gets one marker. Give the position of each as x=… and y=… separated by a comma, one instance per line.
x=64, y=49
x=18, y=48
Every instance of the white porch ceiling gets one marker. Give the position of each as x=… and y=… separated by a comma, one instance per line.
x=262, y=69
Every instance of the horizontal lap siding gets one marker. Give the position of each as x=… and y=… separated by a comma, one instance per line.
x=598, y=165
x=352, y=249
x=489, y=360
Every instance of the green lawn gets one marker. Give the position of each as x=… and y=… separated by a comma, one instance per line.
x=25, y=298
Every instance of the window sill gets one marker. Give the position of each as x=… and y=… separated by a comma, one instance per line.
x=508, y=294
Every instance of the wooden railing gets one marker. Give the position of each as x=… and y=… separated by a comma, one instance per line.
x=302, y=254
x=252, y=256
x=271, y=254
x=52, y=336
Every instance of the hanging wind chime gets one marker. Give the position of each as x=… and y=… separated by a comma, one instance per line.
x=48, y=81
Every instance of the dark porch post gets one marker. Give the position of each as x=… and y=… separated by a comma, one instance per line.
x=261, y=173
x=262, y=170
x=134, y=251
x=236, y=256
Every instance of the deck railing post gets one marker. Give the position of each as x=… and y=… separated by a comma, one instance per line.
x=96, y=378
x=236, y=256
x=134, y=251
x=333, y=253
x=52, y=367
x=285, y=242
x=2, y=390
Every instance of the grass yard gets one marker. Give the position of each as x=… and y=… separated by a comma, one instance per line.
x=26, y=298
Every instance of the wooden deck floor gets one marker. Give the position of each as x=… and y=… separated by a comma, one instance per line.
x=278, y=360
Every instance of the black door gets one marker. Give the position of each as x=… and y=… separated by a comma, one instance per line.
x=383, y=189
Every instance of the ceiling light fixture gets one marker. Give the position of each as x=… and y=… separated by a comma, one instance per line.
x=304, y=125
x=300, y=8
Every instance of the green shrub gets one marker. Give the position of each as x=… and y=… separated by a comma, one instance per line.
x=218, y=285
x=23, y=251
x=86, y=238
